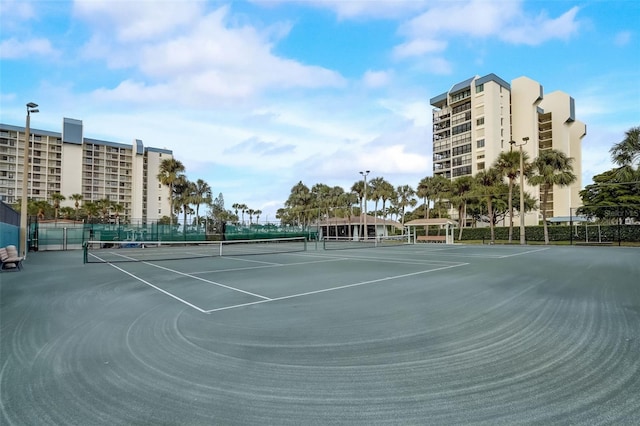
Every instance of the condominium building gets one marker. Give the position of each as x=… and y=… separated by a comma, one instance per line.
x=68, y=163
x=481, y=117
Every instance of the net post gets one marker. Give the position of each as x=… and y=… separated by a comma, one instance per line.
x=85, y=250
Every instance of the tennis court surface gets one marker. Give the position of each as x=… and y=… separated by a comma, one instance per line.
x=398, y=334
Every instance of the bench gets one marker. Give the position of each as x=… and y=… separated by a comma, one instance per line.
x=9, y=259
x=432, y=238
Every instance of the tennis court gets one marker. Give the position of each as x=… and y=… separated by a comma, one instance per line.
x=399, y=334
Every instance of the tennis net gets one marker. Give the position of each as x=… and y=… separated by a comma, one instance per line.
x=147, y=251
x=341, y=243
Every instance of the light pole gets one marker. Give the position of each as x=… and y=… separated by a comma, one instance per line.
x=522, y=236
x=24, y=232
x=364, y=205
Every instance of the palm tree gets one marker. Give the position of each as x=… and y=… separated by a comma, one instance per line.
x=56, y=197
x=300, y=200
x=335, y=198
x=251, y=213
x=487, y=182
x=91, y=209
x=243, y=208
x=387, y=192
x=117, y=209
x=377, y=190
x=405, y=199
x=76, y=198
x=170, y=171
x=508, y=165
x=551, y=168
x=236, y=207
x=257, y=213
x=66, y=212
x=184, y=191
x=459, y=191
x=201, y=195
x=103, y=206
x=425, y=192
x=627, y=153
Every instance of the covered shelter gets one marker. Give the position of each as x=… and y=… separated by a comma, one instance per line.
x=353, y=227
x=444, y=223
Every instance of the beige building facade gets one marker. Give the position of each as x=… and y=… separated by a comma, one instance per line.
x=68, y=163
x=480, y=117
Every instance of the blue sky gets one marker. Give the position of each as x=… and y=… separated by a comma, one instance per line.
x=254, y=96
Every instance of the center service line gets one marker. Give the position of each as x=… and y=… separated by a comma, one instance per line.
x=336, y=288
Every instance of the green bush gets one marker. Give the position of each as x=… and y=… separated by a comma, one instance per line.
x=605, y=233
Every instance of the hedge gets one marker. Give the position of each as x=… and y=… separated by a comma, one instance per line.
x=603, y=233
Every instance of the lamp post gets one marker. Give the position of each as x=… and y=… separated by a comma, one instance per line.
x=364, y=205
x=522, y=236
x=24, y=232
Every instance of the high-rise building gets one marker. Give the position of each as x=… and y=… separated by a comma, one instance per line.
x=69, y=163
x=480, y=117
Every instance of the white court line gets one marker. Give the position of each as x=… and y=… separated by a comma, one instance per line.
x=208, y=281
x=275, y=265
x=250, y=260
x=524, y=252
x=196, y=278
x=386, y=259
x=159, y=289
x=335, y=288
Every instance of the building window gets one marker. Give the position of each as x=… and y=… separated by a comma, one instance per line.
x=480, y=121
x=461, y=128
x=480, y=88
x=480, y=143
x=480, y=166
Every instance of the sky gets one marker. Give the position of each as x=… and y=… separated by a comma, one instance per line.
x=255, y=96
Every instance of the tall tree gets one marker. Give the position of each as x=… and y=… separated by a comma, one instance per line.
x=117, y=208
x=57, y=197
x=405, y=199
x=508, y=165
x=201, y=195
x=460, y=189
x=91, y=209
x=76, y=202
x=610, y=197
x=387, y=192
x=243, y=209
x=300, y=202
x=626, y=154
x=104, y=207
x=486, y=187
x=235, y=207
x=377, y=189
x=551, y=168
x=184, y=191
x=170, y=171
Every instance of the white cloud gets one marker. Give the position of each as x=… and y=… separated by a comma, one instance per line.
x=622, y=38
x=138, y=20
x=418, y=47
x=356, y=9
x=210, y=60
x=15, y=49
x=16, y=10
x=477, y=18
x=375, y=79
x=541, y=29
